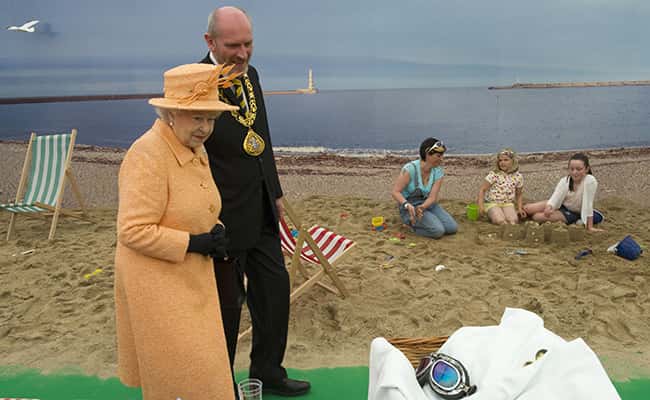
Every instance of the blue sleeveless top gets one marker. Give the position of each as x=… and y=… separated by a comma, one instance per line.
x=414, y=171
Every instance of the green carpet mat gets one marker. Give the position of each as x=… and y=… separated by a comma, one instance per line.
x=327, y=383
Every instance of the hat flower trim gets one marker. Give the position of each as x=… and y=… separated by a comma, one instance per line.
x=220, y=77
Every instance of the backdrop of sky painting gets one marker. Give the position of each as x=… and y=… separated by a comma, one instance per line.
x=362, y=44
x=357, y=50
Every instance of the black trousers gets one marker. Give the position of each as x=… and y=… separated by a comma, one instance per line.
x=267, y=298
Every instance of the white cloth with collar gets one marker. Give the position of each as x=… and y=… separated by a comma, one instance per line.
x=494, y=357
x=590, y=185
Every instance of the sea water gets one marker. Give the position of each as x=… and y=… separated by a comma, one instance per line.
x=468, y=120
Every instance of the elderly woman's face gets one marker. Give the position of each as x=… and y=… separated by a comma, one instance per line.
x=193, y=128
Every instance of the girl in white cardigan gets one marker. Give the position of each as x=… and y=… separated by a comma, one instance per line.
x=573, y=198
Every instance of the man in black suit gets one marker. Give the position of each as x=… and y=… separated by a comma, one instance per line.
x=243, y=167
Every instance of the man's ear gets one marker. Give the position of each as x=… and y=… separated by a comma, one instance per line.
x=209, y=41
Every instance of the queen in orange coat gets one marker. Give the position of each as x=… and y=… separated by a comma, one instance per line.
x=170, y=336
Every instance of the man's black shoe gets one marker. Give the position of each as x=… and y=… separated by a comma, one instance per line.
x=286, y=387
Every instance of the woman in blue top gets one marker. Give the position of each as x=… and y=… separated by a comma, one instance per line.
x=416, y=191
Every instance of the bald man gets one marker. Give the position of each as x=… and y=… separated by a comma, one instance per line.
x=243, y=167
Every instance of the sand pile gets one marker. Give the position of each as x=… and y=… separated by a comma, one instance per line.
x=56, y=309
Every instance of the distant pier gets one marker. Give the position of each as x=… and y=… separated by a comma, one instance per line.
x=65, y=99
x=310, y=89
x=274, y=92
x=108, y=97
x=552, y=85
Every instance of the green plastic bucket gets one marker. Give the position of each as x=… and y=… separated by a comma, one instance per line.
x=472, y=212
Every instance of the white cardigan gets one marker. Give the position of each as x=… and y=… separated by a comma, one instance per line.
x=588, y=196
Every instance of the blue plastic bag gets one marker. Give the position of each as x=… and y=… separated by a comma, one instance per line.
x=628, y=248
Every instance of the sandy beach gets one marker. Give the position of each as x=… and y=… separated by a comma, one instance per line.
x=56, y=308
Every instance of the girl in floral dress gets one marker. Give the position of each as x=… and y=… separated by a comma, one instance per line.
x=501, y=191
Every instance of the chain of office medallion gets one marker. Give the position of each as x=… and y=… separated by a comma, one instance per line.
x=252, y=106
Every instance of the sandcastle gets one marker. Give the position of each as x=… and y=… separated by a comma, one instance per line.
x=576, y=232
x=553, y=232
x=559, y=235
x=534, y=234
x=513, y=232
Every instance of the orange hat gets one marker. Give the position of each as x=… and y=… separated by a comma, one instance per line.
x=195, y=87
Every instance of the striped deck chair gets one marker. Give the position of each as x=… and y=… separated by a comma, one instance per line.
x=46, y=170
x=318, y=246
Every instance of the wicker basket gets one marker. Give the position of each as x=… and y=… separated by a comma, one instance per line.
x=416, y=348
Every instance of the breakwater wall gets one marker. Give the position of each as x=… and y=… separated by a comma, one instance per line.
x=550, y=85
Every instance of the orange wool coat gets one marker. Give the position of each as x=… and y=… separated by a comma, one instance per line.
x=170, y=336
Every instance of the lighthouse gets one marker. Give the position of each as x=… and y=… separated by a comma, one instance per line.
x=310, y=85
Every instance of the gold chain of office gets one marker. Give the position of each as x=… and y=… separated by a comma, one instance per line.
x=253, y=143
x=251, y=113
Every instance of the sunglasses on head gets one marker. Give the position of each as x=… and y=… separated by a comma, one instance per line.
x=508, y=153
x=437, y=147
x=446, y=376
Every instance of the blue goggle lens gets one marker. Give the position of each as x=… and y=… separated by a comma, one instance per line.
x=445, y=375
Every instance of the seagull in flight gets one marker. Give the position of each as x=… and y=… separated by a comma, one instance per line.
x=26, y=27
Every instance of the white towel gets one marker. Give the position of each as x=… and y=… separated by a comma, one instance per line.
x=494, y=357
x=391, y=375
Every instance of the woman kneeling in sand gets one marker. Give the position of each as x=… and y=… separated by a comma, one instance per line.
x=416, y=191
x=573, y=198
x=170, y=338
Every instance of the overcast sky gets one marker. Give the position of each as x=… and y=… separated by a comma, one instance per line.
x=601, y=35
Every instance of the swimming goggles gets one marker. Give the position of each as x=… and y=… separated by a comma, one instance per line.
x=446, y=376
x=437, y=147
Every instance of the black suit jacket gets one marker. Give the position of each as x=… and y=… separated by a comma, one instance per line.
x=243, y=180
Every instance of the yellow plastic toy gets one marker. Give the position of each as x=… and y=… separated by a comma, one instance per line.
x=95, y=272
x=378, y=223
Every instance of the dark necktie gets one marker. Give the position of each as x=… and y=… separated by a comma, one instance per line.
x=239, y=95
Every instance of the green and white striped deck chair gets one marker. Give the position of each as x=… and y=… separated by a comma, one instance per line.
x=45, y=172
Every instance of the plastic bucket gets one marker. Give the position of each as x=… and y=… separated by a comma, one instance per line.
x=472, y=212
x=378, y=223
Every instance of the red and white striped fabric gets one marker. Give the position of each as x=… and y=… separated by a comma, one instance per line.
x=330, y=244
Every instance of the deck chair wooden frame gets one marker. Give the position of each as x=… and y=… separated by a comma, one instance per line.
x=41, y=188
x=298, y=254
x=296, y=266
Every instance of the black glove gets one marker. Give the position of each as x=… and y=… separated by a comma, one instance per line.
x=211, y=244
x=202, y=243
x=218, y=233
